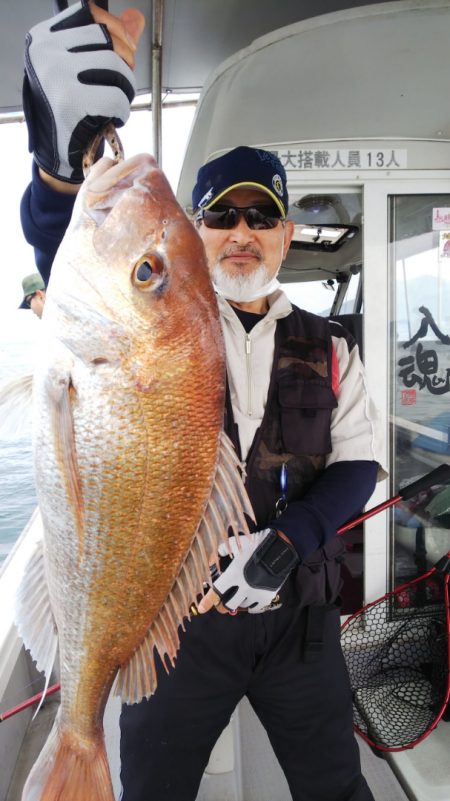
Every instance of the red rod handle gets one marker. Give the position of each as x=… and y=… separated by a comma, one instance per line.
x=370, y=513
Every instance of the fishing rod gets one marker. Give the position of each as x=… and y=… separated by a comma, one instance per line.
x=29, y=702
x=440, y=475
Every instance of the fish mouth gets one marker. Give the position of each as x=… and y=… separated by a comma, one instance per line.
x=135, y=213
x=110, y=134
x=108, y=180
x=107, y=174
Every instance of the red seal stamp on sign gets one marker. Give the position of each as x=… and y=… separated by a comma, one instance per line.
x=408, y=397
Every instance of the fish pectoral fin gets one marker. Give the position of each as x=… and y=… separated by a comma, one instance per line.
x=62, y=394
x=16, y=407
x=229, y=503
x=227, y=507
x=33, y=614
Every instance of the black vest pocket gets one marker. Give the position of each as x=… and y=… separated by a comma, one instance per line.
x=305, y=412
x=318, y=579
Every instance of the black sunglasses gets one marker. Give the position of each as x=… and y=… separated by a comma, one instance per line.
x=258, y=218
x=28, y=300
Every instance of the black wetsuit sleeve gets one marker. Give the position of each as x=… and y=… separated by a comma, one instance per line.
x=45, y=215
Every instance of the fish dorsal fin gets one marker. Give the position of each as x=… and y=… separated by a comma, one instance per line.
x=227, y=506
x=34, y=617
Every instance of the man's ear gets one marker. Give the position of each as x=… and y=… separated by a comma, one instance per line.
x=288, y=234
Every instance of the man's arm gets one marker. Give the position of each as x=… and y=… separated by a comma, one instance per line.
x=78, y=79
x=78, y=76
x=337, y=496
x=45, y=215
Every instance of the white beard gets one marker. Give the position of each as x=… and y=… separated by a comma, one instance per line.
x=244, y=287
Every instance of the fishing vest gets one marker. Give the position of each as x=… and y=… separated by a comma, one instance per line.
x=296, y=432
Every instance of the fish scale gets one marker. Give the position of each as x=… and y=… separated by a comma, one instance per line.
x=128, y=445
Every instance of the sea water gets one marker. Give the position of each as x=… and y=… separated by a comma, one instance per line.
x=19, y=340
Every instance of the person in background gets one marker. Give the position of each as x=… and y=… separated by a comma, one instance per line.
x=300, y=418
x=33, y=294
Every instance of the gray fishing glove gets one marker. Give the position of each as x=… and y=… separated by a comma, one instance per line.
x=74, y=85
x=257, y=571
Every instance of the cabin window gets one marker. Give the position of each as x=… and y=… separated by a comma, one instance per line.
x=419, y=317
x=314, y=296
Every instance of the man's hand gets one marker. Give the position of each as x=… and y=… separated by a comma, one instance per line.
x=259, y=568
x=78, y=77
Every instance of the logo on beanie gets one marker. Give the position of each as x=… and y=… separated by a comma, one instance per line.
x=205, y=198
x=277, y=184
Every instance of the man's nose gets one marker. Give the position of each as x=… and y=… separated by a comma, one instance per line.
x=241, y=232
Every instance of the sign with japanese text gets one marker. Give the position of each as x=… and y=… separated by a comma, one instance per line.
x=444, y=245
x=425, y=366
x=357, y=159
x=441, y=219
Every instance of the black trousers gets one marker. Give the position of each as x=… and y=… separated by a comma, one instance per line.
x=305, y=707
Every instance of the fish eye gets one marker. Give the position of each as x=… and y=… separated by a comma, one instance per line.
x=146, y=270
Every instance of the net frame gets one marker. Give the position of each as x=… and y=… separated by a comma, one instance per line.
x=397, y=650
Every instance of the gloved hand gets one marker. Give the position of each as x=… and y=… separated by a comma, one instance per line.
x=74, y=85
x=257, y=571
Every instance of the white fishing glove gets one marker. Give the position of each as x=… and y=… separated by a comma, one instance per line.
x=74, y=85
x=257, y=571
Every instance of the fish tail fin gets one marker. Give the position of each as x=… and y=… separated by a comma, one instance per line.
x=71, y=769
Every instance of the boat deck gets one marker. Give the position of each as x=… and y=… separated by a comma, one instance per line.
x=37, y=733
x=244, y=744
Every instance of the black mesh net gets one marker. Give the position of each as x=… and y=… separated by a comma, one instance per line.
x=396, y=651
